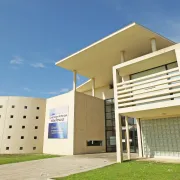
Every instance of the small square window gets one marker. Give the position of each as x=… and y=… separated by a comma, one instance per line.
x=7, y=148
x=21, y=148
x=11, y=116
x=37, y=117
x=22, y=137
x=24, y=117
x=38, y=108
x=34, y=148
x=23, y=127
x=25, y=107
x=13, y=106
x=36, y=127
x=9, y=137
x=1, y=106
x=10, y=126
x=35, y=137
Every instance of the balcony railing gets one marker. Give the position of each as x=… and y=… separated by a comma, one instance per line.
x=158, y=87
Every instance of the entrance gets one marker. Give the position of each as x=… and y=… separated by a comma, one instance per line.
x=110, y=131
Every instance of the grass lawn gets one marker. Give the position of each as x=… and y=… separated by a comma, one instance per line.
x=132, y=170
x=6, y=159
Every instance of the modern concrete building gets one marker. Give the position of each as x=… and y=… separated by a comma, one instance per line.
x=131, y=102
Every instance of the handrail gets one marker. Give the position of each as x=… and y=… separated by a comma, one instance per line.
x=150, y=100
x=148, y=76
x=149, y=96
x=149, y=80
x=147, y=91
x=153, y=84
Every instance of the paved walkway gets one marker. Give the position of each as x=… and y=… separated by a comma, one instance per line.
x=55, y=167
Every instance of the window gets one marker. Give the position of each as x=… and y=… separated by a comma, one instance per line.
x=34, y=148
x=13, y=106
x=22, y=137
x=25, y=107
x=35, y=137
x=7, y=148
x=10, y=126
x=94, y=143
x=21, y=148
x=24, y=117
x=0, y=116
x=23, y=127
x=1, y=106
x=38, y=108
x=11, y=116
x=37, y=117
x=36, y=127
x=9, y=137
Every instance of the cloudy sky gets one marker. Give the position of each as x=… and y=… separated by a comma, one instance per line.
x=34, y=34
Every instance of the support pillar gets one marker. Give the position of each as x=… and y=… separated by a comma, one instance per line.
x=153, y=45
x=93, y=86
x=74, y=80
x=119, y=147
x=139, y=137
x=127, y=138
x=122, y=56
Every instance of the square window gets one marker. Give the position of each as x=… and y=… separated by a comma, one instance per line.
x=34, y=148
x=36, y=127
x=11, y=116
x=1, y=106
x=9, y=137
x=25, y=107
x=22, y=137
x=13, y=106
x=37, y=117
x=10, y=126
x=35, y=137
x=24, y=117
x=38, y=108
x=23, y=127
x=21, y=148
x=7, y=148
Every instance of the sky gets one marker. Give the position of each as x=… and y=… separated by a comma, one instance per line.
x=34, y=34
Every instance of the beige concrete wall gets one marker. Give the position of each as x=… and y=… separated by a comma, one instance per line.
x=102, y=92
x=89, y=123
x=17, y=121
x=60, y=146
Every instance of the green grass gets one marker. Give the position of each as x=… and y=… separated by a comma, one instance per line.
x=133, y=170
x=6, y=159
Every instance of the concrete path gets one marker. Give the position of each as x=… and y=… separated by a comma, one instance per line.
x=55, y=167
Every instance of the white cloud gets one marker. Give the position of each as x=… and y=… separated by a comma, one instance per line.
x=27, y=89
x=38, y=65
x=63, y=90
x=17, y=60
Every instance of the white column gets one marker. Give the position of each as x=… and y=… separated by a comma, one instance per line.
x=74, y=80
x=93, y=86
x=153, y=45
x=139, y=137
x=127, y=138
x=122, y=56
x=119, y=147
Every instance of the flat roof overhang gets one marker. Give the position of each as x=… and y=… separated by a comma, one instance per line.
x=96, y=61
x=149, y=61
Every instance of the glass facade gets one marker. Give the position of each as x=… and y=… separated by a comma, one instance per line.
x=110, y=130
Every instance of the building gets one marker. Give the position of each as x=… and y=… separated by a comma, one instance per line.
x=130, y=103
